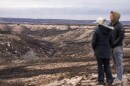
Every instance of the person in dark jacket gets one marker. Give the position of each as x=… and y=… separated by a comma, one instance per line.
x=117, y=47
x=101, y=44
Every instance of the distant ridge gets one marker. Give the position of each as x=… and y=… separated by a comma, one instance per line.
x=50, y=21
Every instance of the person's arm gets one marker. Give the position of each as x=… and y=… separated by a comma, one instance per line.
x=111, y=40
x=120, y=38
x=94, y=40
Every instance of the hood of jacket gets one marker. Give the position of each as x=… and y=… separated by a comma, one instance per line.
x=116, y=16
x=104, y=30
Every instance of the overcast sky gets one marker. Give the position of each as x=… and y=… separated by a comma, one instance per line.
x=64, y=9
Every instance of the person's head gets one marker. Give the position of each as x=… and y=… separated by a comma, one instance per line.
x=100, y=21
x=114, y=16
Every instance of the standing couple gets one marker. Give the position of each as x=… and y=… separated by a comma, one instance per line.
x=107, y=41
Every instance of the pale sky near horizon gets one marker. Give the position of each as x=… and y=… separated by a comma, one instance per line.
x=64, y=9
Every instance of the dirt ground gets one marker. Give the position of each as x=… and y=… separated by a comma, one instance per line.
x=51, y=55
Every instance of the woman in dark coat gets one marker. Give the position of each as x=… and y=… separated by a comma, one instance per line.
x=101, y=44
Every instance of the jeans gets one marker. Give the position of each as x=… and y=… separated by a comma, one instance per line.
x=118, y=61
x=104, y=67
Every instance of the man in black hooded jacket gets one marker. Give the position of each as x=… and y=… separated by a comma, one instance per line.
x=117, y=47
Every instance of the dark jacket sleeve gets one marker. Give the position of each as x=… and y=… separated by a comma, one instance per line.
x=94, y=40
x=111, y=40
x=120, y=38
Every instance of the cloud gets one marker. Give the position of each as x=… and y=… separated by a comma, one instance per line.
x=70, y=9
x=58, y=13
x=63, y=3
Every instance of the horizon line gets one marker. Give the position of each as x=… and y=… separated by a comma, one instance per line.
x=56, y=19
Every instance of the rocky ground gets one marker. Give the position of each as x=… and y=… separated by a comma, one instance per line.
x=51, y=55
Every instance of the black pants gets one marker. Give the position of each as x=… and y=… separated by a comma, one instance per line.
x=104, y=68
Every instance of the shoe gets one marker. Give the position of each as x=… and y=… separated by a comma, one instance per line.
x=100, y=83
x=109, y=84
x=117, y=82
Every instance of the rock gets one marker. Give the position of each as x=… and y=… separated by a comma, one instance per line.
x=66, y=82
x=75, y=80
x=84, y=84
x=94, y=76
x=84, y=81
x=30, y=55
x=8, y=44
x=125, y=80
x=92, y=84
